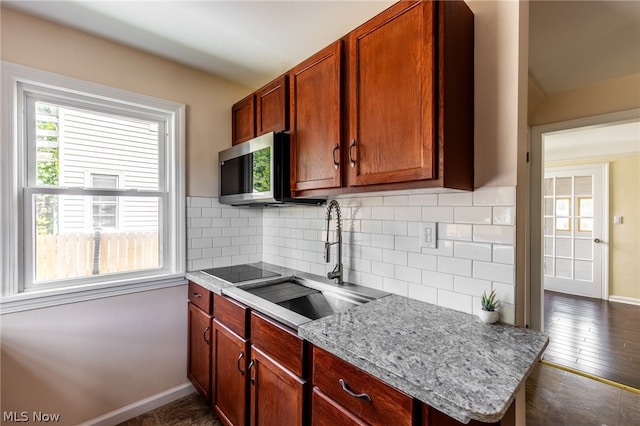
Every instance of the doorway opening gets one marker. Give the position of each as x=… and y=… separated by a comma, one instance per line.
x=585, y=236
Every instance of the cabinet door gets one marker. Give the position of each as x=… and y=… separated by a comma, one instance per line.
x=391, y=97
x=327, y=412
x=277, y=394
x=315, y=120
x=199, y=351
x=230, y=378
x=243, y=126
x=272, y=112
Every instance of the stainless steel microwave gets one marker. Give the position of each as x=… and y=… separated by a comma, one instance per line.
x=256, y=173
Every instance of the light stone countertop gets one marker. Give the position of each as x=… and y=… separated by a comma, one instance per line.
x=447, y=359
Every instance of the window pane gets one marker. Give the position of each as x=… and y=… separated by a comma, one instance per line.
x=92, y=140
x=64, y=248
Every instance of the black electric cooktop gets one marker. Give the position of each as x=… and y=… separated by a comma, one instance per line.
x=239, y=273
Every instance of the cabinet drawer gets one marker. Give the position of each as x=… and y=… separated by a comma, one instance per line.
x=201, y=297
x=279, y=342
x=232, y=314
x=385, y=405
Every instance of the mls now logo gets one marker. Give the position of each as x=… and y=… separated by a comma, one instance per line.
x=23, y=416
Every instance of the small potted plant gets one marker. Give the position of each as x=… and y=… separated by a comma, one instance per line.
x=488, y=313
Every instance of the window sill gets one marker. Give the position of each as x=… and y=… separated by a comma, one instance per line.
x=44, y=299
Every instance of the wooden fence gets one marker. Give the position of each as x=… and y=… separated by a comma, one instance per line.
x=77, y=255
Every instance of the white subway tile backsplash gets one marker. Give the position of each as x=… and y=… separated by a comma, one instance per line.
x=395, y=286
x=494, y=272
x=454, y=266
x=474, y=251
x=480, y=215
x=381, y=237
x=413, y=214
x=437, y=279
x=411, y=244
x=471, y=286
x=423, y=261
x=454, y=231
x=455, y=199
x=382, y=213
x=424, y=293
x=457, y=301
x=494, y=234
x=437, y=214
x=382, y=241
x=495, y=196
x=394, y=256
x=390, y=227
x=503, y=254
x=410, y=275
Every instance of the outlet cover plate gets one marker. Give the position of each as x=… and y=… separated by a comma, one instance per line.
x=429, y=235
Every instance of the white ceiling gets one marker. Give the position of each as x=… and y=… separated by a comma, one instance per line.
x=248, y=42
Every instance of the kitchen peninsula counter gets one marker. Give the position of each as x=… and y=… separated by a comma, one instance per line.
x=449, y=360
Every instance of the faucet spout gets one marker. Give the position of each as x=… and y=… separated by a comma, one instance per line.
x=337, y=272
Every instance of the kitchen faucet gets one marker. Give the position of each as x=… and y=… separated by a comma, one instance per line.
x=337, y=271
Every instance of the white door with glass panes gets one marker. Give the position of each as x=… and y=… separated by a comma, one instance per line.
x=575, y=229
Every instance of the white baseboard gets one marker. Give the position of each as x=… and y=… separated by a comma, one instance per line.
x=143, y=406
x=622, y=299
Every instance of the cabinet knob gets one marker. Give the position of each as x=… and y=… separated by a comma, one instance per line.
x=336, y=164
x=196, y=295
x=597, y=241
x=351, y=146
x=345, y=387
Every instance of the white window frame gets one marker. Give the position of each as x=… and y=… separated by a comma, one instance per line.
x=17, y=293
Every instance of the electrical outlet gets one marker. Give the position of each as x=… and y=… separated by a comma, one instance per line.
x=429, y=235
x=617, y=220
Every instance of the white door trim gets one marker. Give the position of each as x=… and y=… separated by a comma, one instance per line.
x=535, y=297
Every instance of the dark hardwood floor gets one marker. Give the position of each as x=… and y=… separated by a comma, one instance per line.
x=594, y=336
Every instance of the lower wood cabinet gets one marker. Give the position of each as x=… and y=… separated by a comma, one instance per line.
x=354, y=394
x=257, y=371
x=231, y=361
x=199, y=350
x=277, y=394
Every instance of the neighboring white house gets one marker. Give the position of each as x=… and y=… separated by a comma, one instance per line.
x=105, y=151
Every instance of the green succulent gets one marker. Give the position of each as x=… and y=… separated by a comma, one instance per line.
x=489, y=303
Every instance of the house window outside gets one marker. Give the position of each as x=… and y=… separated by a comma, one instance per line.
x=104, y=208
x=99, y=193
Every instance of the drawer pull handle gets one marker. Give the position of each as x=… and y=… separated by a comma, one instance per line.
x=196, y=295
x=239, y=367
x=204, y=334
x=345, y=388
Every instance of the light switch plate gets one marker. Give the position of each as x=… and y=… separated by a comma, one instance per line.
x=617, y=220
x=429, y=235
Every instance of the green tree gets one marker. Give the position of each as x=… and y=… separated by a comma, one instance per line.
x=48, y=167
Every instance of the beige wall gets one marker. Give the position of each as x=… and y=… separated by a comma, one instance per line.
x=620, y=94
x=624, y=239
x=85, y=359
x=47, y=46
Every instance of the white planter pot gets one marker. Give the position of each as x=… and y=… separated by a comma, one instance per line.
x=488, y=317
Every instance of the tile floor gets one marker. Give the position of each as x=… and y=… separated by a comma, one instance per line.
x=554, y=398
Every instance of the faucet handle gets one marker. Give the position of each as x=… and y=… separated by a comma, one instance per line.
x=327, y=252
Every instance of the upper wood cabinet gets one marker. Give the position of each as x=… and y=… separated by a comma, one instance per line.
x=391, y=97
x=264, y=111
x=243, y=124
x=315, y=96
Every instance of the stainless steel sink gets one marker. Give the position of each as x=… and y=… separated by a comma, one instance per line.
x=296, y=300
